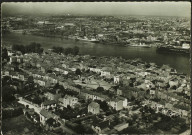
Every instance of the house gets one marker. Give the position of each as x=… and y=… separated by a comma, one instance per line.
x=14, y=75
x=119, y=92
x=13, y=59
x=56, y=69
x=168, y=105
x=21, y=77
x=32, y=114
x=6, y=73
x=94, y=108
x=173, y=83
x=65, y=72
x=43, y=69
x=64, y=65
x=121, y=126
x=116, y=79
x=101, y=127
x=41, y=82
x=19, y=59
x=53, y=95
x=45, y=115
x=48, y=104
x=88, y=94
x=116, y=104
x=29, y=111
x=105, y=71
x=68, y=101
x=53, y=80
x=46, y=77
x=124, y=101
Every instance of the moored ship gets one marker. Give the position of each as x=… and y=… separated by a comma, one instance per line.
x=172, y=49
x=140, y=45
x=87, y=39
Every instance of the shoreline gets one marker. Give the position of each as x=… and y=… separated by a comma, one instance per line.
x=119, y=44
x=93, y=49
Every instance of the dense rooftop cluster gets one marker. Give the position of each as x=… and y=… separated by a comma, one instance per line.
x=88, y=94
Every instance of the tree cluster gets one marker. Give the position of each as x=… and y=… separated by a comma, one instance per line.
x=31, y=48
x=103, y=104
x=76, y=127
x=66, y=51
x=11, y=113
x=8, y=93
x=5, y=54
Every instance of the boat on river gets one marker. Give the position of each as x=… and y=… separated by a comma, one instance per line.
x=173, y=49
x=87, y=39
x=140, y=45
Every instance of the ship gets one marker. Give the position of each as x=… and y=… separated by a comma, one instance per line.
x=87, y=39
x=172, y=49
x=140, y=45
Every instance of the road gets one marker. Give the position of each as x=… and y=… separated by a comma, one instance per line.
x=37, y=109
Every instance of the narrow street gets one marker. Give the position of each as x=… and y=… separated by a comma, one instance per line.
x=37, y=109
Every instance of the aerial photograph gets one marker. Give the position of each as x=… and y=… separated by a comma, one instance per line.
x=88, y=68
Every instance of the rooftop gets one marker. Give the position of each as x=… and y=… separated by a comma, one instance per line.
x=94, y=104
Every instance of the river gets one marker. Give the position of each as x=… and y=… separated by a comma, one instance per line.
x=180, y=62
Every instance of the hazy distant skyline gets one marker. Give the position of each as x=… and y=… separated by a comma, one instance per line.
x=98, y=8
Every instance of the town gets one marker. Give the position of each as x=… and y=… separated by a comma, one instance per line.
x=71, y=68
x=78, y=94
x=128, y=31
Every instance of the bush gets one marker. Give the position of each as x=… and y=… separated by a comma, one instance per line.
x=31, y=48
x=11, y=113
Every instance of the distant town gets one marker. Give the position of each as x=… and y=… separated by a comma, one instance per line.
x=143, y=31
x=60, y=91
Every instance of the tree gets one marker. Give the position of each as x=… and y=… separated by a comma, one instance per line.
x=58, y=50
x=50, y=121
x=6, y=80
x=103, y=105
x=30, y=79
x=27, y=106
x=20, y=48
x=37, y=100
x=75, y=50
x=5, y=54
x=8, y=94
x=78, y=72
x=79, y=86
x=100, y=89
x=49, y=71
x=68, y=51
x=16, y=65
x=131, y=130
x=79, y=129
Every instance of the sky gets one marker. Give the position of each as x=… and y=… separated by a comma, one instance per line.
x=182, y=9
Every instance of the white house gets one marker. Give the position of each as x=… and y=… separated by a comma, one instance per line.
x=116, y=79
x=49, y=104
x=68, y=100
x=94, y=108
x=116, y=104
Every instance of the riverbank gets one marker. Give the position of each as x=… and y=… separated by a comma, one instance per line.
x=179, y=62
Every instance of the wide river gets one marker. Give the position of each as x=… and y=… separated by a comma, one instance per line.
x=180, y=62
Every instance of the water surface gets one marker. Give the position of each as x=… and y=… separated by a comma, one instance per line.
x=180, y=62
